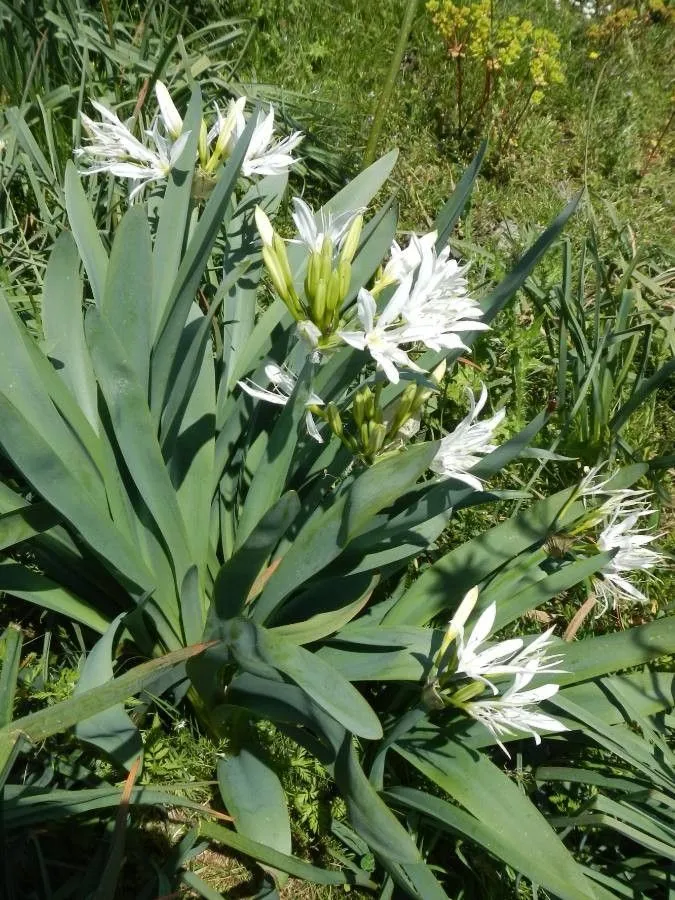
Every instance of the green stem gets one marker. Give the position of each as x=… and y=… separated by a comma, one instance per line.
x=382, y=101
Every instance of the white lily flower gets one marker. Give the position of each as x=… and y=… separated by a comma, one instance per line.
x=382, y=339
x=460, y=450
x=312, y=234
x=516, y=709
x=621, y=533
x=439, y=298
x=508, y=657
x=283, y=384
x=262, y=156
x=114, y=149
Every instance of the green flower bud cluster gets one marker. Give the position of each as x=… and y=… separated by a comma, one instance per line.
x=327, y=280
x=371, y=430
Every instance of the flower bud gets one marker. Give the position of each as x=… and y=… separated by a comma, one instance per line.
x=345, y=272
x=334, y=419
x=317, y=303
x=264, y=226
x=377, y=434
x=358, y=409
x=277, y=275
x=279, y=248
x=351, y=243
x=202, y=145
x=312, y=275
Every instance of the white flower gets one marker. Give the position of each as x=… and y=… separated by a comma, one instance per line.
x=438, y=306
x=312, y=233
x=439, y=300
x=283, y=384
x=262, y=156
x=403, y=262
x=462, y=448
x=622, y=534
x=382, y=339
x=114, y=149
x=508, y=657
x=516, y=709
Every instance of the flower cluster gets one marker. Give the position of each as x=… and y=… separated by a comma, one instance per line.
x=114, y=149
x=467, y=668
x=428, y=304
x=615, y=525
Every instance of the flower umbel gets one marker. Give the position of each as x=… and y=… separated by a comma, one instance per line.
x=621, y=532
x=516, y=710
x=114, y=149
x=462, y=448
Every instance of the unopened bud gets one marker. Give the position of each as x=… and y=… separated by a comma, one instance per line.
x=345, y=273
x=332, y=297
x=277, y=275
x=351, y=243
x=358, y=409
x=279, y=248
x=318, y=303
x=334, y=419
x=203, y=146
x=312, y=275
x=264, y=226
x=378, y=433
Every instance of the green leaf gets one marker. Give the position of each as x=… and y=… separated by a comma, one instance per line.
x=326, y=534
x=85, y=233
x=55, y=481
x=254, y=797
x=173, y=213
x=192, y=614
x=190, y=274
x=63, y=325
x=271, y=475
x=135, y=434
x=499, y=805
x=640, y=394
x=236, y=577
x=377, y=825
x=635, y=646
x=290, y=864
x=453, y=209
x=25, y=522
x=321, y=625
x=39, y=726
x=128, y=287
x=10, y=644
x=111, y=730
x=260, y=652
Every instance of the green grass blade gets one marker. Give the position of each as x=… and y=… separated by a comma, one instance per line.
x=10, y=642
x=85, y=232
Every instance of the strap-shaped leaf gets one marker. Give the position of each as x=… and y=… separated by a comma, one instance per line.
x=236, y=577
x=271, y=474
x=63, y=325
x=328, y=532
x=378, y=826
x=135, y=434
x=453, y=209
x=190, y=274
x=110, y=730
x=85, y=232
x=497, y=802
x=11, y=641
x=173, y=213
x=128, y=287
x=262, y=653
x=254, y=797
x=55, y=481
